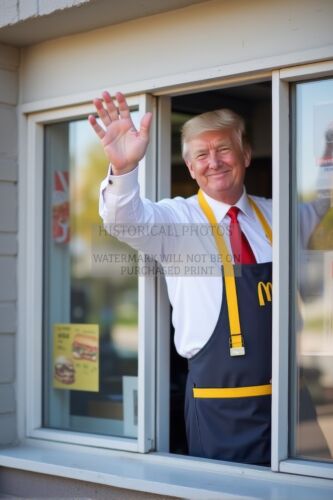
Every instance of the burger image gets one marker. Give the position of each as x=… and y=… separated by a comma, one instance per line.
x=64, y=370
x=85, y=347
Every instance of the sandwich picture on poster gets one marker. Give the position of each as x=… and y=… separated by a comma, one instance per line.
x=76, y=357
x=85, y=347
x=64, y=370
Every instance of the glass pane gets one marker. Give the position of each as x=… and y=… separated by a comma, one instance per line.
x=313, y=271
x=90, y=325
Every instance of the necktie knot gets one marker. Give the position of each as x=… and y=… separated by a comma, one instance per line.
x=233, y=213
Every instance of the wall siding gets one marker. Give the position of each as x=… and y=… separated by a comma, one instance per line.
x=9, y=59
x=22, y=483
x=13, y=11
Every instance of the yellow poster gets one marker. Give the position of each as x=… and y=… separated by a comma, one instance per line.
x=76, y=357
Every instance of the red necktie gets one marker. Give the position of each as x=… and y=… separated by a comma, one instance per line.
x=240, y=246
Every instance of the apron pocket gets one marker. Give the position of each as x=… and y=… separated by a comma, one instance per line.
x=235, y=429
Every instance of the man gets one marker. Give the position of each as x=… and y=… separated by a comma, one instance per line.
x=223, y=321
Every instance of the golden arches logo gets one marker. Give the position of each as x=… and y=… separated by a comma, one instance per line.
x=267, y=288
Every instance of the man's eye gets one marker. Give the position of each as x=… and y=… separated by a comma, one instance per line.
x=201, y=156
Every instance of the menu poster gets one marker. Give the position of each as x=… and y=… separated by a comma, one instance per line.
x=76, y=357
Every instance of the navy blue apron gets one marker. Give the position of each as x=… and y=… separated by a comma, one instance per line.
x=235, y=428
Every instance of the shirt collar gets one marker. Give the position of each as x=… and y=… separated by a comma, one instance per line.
x=220, y=209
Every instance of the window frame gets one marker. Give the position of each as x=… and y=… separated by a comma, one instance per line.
x=281, y=270
x=30, y=272
x=31, y=291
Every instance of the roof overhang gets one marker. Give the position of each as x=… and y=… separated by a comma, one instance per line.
x=87, y=16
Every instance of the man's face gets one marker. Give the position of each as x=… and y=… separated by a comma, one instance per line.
x=217, y=162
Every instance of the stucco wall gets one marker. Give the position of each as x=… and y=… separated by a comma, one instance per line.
x=208, y=35
x=9, y=59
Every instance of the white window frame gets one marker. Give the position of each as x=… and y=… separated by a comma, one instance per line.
x=30, y=317
x=162, y=302
x=281, y=270
x=31, y=282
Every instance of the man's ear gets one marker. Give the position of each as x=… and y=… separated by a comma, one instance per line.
x=189, y=166
x=247, y=156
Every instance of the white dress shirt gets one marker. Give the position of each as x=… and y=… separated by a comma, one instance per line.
x=195, y=297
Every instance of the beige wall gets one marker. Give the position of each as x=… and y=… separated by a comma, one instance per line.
x=208, y=35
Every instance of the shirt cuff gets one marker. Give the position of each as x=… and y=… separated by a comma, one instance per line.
x=119, y=185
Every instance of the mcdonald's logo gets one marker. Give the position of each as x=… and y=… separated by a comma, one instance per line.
x=267, y=288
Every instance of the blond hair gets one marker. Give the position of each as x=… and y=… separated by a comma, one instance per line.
x=220, y=119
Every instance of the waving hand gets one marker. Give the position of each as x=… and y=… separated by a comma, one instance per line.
x=124, y=146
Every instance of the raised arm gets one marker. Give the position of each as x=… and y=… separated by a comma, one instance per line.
x=120, y=202
x=124, y=146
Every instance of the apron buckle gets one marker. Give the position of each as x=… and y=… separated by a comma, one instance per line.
x=236, y=345
x=237, y=351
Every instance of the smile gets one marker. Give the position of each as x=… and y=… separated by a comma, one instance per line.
x=219, y=173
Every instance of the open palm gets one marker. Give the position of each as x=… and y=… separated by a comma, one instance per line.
x=124, y=146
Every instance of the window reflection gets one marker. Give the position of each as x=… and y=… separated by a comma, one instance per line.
x=80, y=288
x=313, y=285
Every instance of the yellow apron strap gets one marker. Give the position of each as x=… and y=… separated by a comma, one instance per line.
x=233, y=392
x=266, y=227
x=236, y=338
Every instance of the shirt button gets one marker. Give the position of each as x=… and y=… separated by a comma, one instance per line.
x=110, y=181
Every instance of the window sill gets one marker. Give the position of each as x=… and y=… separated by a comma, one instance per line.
x=169, y=475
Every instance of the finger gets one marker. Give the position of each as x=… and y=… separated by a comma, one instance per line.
x=98, y=129
x=123, y=106
x=102, y=113
x=145, y=124
x=112, y=109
